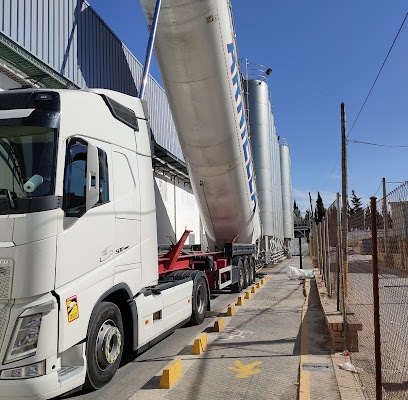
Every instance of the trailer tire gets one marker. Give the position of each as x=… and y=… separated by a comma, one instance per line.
x=104, y=345
x=247, y=273
x=200, y=301
x=252, y=270
x=239, y=285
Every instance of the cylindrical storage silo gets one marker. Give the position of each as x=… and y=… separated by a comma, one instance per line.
x=259, y=119
x=286, y=190
x=276, y=183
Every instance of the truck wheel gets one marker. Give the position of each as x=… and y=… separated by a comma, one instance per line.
x=200, y=301
x=104, y=345
x=247, y=273
x=252, y=270
x=239, y=285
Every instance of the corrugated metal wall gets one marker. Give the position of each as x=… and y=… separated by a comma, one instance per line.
x=71, y=38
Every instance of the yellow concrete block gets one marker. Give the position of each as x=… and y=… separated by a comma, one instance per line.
x=171, y=373
x=218, y=325
x=240, y=300
x=200, y=344
x=248, y=294
x=253, y=289
x=258, y=285
x=231, y=310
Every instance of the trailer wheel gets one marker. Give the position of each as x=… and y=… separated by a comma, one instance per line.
x=247, y=273
x=252, y=270
x=104, y=345
x=200, y=301
x=239, y=285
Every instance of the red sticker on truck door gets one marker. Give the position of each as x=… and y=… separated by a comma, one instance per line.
x=72, y=308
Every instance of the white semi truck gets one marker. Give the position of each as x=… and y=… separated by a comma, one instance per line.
x=81, y=279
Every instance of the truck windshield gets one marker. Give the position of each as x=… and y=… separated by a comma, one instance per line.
x=27, y=162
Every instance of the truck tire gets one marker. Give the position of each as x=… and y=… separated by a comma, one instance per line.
x=252, y=270
x=247, y=273
x=239, y=285
x=104, y=345
x=200, y=301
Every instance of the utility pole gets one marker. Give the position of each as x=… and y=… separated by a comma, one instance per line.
x=344, y=220
x=344, y=195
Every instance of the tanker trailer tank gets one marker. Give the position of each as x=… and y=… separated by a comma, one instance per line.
x=196, y=54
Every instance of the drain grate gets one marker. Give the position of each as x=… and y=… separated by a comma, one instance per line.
x=317, y=367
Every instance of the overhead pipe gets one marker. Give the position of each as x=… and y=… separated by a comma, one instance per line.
x=149, y=50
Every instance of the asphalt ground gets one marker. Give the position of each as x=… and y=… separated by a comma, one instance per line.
x=275, y=346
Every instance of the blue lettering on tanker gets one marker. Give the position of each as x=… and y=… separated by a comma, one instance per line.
x=241, y=117
x=245, y=147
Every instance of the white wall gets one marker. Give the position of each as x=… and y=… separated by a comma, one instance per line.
x=176, y=210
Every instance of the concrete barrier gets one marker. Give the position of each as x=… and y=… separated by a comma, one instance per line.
x=240, y=300
x=200, y=344
x=231, y=310
x=171, y=373
x=218, y=325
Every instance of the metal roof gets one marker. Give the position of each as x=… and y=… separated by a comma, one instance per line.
x=169, y=165
x=19, y=64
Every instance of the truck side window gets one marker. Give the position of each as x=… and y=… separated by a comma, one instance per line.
x=103, y=177
x=74, y=203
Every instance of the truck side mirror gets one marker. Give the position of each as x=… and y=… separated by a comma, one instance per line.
x=92, y=177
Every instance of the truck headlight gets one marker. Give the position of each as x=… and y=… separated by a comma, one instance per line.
x=28, y=371
x=25, y=337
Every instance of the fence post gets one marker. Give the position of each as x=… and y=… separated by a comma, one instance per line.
x=327, y=253
x=300, y=253
x=376, y=300
x=338, y=252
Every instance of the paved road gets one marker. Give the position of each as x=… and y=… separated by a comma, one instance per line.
x=141, y=372
x=256, y=356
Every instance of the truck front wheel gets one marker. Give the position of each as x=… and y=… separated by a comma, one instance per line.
x=200, y=301
x=104, y=346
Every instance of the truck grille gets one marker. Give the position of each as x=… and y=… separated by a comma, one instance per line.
x=6, y=275
x=4, y=313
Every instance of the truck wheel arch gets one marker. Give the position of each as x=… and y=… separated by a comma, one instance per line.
x=121, y=295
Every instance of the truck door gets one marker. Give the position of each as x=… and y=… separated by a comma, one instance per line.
x=86, y=240
x=127, y=218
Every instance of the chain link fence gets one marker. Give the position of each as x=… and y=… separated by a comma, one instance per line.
x=369, y=289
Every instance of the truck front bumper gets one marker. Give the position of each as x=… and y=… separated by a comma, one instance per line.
x=43, y=387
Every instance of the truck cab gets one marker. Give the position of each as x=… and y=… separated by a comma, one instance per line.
x=78, y=244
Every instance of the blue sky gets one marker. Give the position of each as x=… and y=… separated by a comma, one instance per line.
x=322, y=53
